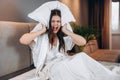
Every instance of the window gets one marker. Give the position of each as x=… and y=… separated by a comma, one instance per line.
x=115, y=16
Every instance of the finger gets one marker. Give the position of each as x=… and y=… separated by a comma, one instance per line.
x=42, y=25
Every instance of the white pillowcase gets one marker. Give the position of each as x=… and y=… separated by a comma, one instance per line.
x=42, y=13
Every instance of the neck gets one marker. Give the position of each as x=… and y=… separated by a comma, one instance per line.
x=55, y=40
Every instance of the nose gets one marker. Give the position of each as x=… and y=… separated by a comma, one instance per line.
x=55, y=23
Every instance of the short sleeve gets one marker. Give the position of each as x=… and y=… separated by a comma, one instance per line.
x=68, y=43
x=34, y=43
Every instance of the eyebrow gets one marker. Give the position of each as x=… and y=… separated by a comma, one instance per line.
x=56, y=20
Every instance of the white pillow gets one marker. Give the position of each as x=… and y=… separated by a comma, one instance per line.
x=42, y=13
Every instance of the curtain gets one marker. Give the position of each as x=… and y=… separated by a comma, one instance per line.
x=106, y=24
x=96, y=15
x=99, y=16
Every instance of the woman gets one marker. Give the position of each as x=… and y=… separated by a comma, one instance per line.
x=58, y=65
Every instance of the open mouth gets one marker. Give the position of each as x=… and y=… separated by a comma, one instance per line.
x=55, y=28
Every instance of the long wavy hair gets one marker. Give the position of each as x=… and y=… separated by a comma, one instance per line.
x=60, y=34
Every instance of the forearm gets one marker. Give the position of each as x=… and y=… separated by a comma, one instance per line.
x=28, y=38
x=77, y=39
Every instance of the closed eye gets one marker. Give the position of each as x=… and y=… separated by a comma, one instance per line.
x=58, y=21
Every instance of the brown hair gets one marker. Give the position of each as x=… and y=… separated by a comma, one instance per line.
x=60, y=34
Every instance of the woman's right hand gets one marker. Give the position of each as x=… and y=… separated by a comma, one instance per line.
x=43, y=28
x=28, y=38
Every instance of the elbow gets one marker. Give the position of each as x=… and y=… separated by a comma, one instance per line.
x=82, y=43
x=22, y=41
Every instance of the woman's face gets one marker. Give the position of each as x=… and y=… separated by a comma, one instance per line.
x=55, y=23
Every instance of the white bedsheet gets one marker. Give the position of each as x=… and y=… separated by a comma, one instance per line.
x=30, y=74
x=24, y=76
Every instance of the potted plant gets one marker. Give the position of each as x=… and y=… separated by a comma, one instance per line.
x=87, y=31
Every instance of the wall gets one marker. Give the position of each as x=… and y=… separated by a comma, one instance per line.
x=79, y=9
x=115, y=37
x=17, y=10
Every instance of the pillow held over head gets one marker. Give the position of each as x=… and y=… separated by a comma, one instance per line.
x=42, y=13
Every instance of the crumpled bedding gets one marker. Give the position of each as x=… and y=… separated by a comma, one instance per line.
x=30, y=74
x=115, y=67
